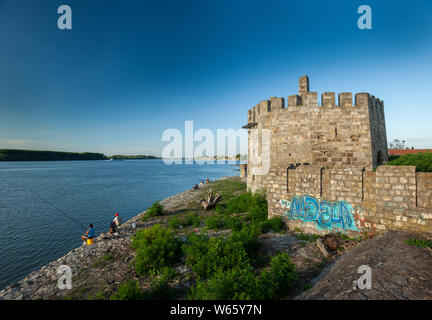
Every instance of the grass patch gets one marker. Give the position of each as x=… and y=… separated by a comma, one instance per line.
x=129, y=290
x=306, y=237
x=100, y=261
x=228, y=188
x=99, y=295
x=420, y=243
x=185, y=220
x=255, y=205
x=159, y=288
x=216, y=222
x=345, y=237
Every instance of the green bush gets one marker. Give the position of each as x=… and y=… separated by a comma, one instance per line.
x=284, y=272
x=235, y=284
x=242, y=283
x=258, y=211
x=220, y=208
x=266, y=287
x=128, y=291
x=160, y=289
x=216, y=222
x=156, y=248
x=248, y=237
x=174, y=222
x=276, y=282
x=185, y=220
x=235, y=224
x=192, y=219
x=155, y=210
x=422, y=161
x=276, y=224
x=207, y=256
x=247, y=202
x=239, y=204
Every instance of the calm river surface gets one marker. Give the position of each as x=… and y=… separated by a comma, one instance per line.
x=33, y=233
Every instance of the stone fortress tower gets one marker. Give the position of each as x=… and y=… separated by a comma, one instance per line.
x=334, y=134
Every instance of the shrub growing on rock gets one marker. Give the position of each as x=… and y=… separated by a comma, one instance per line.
x=216, y=222
x=156, y=248
x=185, y=220
x=283, y=271
x=207, y=256
x=276, y=224
x=248, y=237
x=235, y=224
x=258, y=211
x=235, y=284
x=160, y=288
x=242, y=283
x=128, y=291
x=239, y=204
x=155, y=210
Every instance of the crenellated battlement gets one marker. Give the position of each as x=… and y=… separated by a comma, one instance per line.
x=325, y=129
x=325, y=147
x=305, y=98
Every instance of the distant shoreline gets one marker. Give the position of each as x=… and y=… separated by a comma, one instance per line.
x=35, y=155
x=9, y=155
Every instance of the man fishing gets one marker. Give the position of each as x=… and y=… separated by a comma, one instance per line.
x=90, y=234
x=115, y=223
x=117, y=220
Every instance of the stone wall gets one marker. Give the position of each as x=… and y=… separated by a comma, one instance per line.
x=343, y=134
x=354, y=200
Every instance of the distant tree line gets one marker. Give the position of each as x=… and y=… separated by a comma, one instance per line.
x=138, y=157
x=398, y=144
x=32, y=155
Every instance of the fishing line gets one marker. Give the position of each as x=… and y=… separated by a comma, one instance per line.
x=61, y=211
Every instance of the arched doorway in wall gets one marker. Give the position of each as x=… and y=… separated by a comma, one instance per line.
x=380, y=158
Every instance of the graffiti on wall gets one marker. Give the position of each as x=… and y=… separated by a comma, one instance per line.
x=327, y=215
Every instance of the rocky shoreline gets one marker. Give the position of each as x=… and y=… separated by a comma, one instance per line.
x=42, y=283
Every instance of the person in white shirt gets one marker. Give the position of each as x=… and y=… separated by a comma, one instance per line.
x=117, y=220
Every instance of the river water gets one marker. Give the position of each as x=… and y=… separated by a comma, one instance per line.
x=33, y=233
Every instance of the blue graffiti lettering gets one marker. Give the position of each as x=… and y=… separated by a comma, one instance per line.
x=327, y=215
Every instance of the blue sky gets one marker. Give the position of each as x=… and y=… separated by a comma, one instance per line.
x=130, y=69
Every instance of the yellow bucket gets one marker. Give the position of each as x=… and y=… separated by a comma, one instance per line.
x=90, y=241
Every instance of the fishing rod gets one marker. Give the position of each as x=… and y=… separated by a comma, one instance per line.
x=61, y=211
